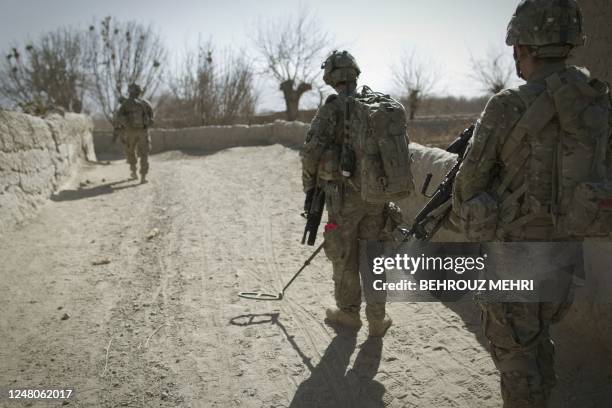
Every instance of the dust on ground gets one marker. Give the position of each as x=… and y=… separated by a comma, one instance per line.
x=127, y=294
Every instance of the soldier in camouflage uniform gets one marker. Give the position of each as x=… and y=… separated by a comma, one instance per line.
x=504, y=189
x=132, y=121
x=349, y=217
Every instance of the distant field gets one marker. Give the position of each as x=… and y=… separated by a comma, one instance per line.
x=438, y=131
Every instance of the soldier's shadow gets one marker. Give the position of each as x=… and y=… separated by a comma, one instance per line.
x=330, y=385
x=82, y=193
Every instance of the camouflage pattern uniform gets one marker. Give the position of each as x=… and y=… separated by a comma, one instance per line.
x=132, y=121
x=519, y=333
x=355, y=219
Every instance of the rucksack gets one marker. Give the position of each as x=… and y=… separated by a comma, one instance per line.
x=377, y=128
x=137, y=113
x=573, y=112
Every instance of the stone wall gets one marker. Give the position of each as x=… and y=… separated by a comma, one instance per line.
x=433, y=131
x=213, y=138
x=596, y=55
x=36, y=156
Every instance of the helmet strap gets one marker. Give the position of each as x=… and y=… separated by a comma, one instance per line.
x=517, y=63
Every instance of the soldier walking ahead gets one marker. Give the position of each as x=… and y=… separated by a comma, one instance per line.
x=357, y=182
x=132, y=121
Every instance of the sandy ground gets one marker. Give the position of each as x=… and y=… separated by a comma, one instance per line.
x=127, y=294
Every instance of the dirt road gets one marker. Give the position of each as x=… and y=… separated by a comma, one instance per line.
x=126, y=293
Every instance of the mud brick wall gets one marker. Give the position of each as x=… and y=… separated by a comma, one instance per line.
x=213, y=138
x=596, y=55
x=36, y=156
x=439, y=131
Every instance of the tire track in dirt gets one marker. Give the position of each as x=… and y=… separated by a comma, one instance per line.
x=214, y=374
x=137, y=375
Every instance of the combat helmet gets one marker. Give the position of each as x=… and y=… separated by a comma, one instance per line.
x=550, y=27
x=134, y=88
x=340, y=66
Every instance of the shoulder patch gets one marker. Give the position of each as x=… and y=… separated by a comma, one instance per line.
x=331, y=98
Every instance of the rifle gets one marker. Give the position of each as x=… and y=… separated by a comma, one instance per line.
x=313, y=212
x=439, y=205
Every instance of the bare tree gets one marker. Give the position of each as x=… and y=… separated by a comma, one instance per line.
x=415, y=78
x=494, y=72
x=120, y=53
x=208, y=90
x=292, y=49
x=191, y=101
x=47, y=73
x=237, y=89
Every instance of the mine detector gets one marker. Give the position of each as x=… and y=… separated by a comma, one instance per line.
x=313, y=212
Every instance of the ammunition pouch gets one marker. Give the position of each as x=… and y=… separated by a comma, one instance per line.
x=329, y=164
x=393, y=219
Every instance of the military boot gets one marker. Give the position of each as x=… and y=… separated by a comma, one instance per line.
x=143, y=178
x=342, y=318
x=378, y=327
x=133, y=175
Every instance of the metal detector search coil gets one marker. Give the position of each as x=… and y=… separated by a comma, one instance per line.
x=261, y=296
x=279, y=296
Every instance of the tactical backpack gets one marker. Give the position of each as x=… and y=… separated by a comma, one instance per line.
x=573, y=114
x=377, y=129
x=137, y=113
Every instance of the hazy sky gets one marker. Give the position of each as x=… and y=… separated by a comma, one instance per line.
x=444, y=32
